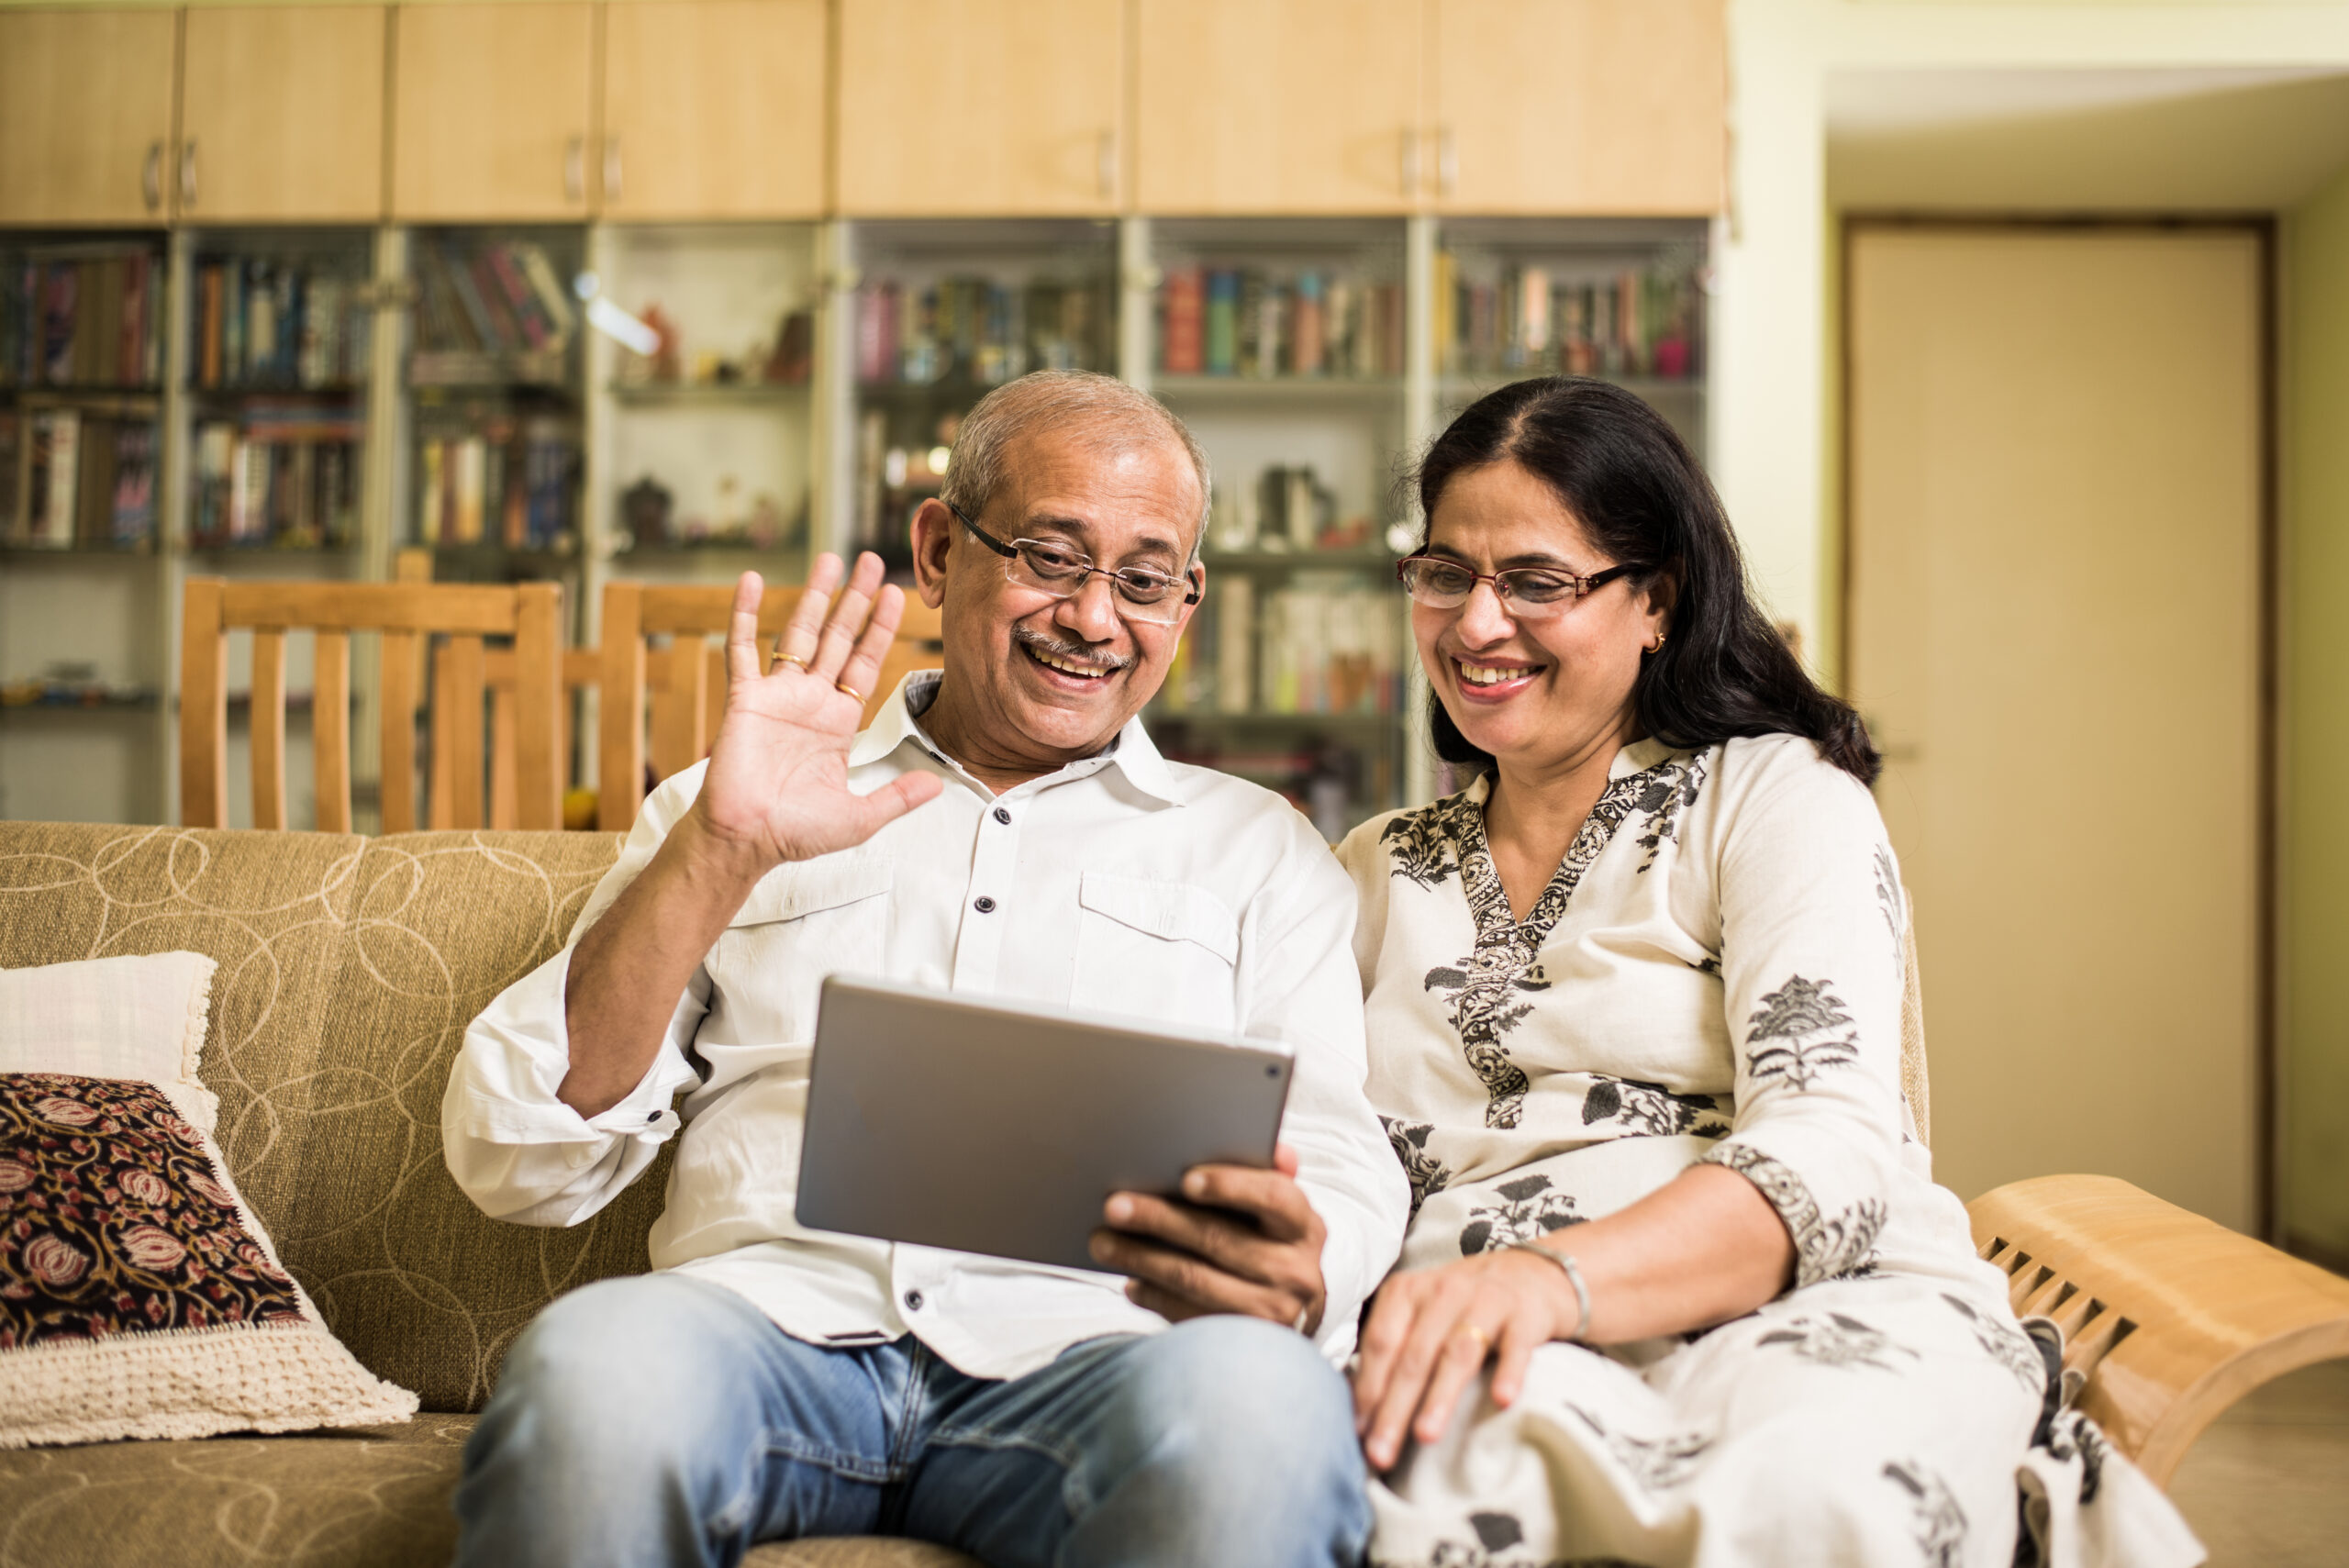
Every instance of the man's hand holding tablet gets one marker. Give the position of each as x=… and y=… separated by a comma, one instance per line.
x=1239, y=1241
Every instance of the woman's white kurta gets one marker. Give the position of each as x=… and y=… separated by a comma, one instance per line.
x=1714, y=974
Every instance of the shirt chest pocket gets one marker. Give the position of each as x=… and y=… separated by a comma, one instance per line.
x=1156, y=949
x=799, y=925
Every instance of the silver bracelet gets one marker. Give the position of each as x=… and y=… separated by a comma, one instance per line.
x=1574, y=1277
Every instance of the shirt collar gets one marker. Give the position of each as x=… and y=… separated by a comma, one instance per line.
x=1130, y=749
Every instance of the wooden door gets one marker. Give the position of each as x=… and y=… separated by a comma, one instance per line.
x=1278, y=105
x=491, y=117
x=85, y=115
x=714, y=108
x=1578, y=106
x=994, y=108
x=2056, y=451
x=282, y=115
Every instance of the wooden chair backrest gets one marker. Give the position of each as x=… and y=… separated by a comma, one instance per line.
x=670, y=698
x=582, y=667
x=406, y=615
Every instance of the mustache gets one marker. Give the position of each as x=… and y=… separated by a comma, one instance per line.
x=1074, y=652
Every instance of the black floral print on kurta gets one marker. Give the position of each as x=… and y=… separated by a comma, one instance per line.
x=1487, y=986
x=1650, y=1109
x=1654, y=1463
x=1940, y=1523
x=1837, y=1338
x=1794, y=1013
x=1527, y=1208
x=1671, y=787
x=1824, y=1249
x=2002, y=1342
x=112, y=1220
x=1426, y=1173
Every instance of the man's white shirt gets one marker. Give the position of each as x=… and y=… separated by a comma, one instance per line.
x=1122, y=883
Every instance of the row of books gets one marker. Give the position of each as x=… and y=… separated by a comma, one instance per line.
x=512, y=485
x=496, y=297
x=1285, y=508
x=90, y=321
x=1531, y=320
x=1319, y=650
x=264, y=323
x=975, y=329
x=1249, y=322
x=287, y=478
x=91, y=480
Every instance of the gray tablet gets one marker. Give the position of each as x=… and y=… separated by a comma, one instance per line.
x=949, y=1121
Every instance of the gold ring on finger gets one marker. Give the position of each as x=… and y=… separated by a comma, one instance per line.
x=793, y=660
x=846, y=690
x=1484, y=1340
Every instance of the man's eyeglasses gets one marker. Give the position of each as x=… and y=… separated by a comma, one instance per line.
x=1051, y=567
x=1527, y=592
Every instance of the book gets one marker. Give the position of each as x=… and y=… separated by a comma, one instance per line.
x=1223, y=323
x=1235, y=662
x=55, y=471
x=1183, y=306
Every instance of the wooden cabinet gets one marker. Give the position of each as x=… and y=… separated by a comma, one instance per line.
x=282, y=115
x=714, y=108
x=1278, y=105
x=86, y=115
x=1577, y=105
x=998, y=107
x=493, y=113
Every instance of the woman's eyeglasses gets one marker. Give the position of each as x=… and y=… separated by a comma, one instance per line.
x=1051, y=567
x=1527, y=592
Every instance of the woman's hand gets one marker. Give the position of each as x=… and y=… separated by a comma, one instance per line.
x=777, y=786
x=1429, y=1332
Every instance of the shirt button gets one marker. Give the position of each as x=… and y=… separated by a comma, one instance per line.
x=1003, y=816
x=983, y=904
x=654, y=1116
x=913, y=1301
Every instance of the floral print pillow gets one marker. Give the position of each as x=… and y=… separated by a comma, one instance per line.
x=138, y=1295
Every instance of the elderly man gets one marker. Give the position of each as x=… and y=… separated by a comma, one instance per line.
x=1006, y=828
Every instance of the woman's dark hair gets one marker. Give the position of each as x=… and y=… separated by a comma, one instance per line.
x=1640, y=495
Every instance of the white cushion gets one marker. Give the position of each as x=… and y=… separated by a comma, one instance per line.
x=136, y=1017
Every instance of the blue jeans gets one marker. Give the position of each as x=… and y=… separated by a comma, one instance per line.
x=658, y=1419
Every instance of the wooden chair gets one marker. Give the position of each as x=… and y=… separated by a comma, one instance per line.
x=674, y=695
x=406, y=615
x=581, y=668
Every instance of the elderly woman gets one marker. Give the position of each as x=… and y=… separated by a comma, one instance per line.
x=1634, y=1005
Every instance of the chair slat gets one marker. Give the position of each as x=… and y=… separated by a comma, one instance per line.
x=538, y=694
x=330, y=728
x=204, y=707
x=458, y=688
x=471, y=607
x=678, y=706
x=398, y=682
x=269, y=729
x=620, y=745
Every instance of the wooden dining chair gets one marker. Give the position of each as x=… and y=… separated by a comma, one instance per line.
x=582, y=668
x=408, y=617
x=671, y=696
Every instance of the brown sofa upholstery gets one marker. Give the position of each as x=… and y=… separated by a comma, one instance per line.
x=348, y=969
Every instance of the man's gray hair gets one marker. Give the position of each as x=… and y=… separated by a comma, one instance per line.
x=1101, y=411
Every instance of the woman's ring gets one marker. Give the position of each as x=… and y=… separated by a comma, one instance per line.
x=846, y=690
x=793, y=660
x=1484, y=1340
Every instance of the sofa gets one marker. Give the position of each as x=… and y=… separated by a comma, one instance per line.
x=348, y=970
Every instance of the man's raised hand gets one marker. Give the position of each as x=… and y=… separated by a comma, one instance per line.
x=777, y=786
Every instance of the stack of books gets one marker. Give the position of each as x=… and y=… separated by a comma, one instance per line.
x=91, y=319
x=509, y=483
x=1249, y=322
x=282, y=476
x=495, y=311
x=1321, y=648
x=1536, y=320
x=91, y=480
x=976, y=330
x=276, y=323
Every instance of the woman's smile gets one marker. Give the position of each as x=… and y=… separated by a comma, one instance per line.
x=1489, y=679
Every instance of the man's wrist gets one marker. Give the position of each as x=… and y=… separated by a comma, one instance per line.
x=716, y=860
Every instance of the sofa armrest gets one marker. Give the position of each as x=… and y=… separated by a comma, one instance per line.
x=2168, y=1318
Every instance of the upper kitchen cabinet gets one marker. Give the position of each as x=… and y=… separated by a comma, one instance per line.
x=85, y=115
x=492, y=114
x=282, y=115
x=1278, y=107
x=1002, y=109
x=713, y=109
x=1596, y=106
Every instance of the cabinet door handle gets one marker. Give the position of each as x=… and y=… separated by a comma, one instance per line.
x=1107, y=165
x=611, y=168
x=187, y=172
x=574, y=169
x=1447, y=162
x=150, y=177
x=1410, y=162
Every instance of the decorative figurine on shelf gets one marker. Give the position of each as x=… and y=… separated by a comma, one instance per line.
x=793, y=358
x=765, y=530
x=644, y=509
x=665, y=359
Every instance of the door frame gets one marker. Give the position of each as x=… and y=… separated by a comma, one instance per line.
x=2265, y=945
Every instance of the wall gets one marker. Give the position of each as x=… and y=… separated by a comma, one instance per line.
x=2313, y=1034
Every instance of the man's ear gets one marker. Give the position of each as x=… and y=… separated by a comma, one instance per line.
x=933, y=529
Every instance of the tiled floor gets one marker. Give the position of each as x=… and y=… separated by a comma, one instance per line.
x=2267, y=1487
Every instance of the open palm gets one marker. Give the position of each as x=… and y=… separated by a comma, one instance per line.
x=777, y=786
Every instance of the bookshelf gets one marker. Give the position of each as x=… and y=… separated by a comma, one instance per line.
x=943, y=312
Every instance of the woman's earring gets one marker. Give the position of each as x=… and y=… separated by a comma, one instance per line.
x=1657, y=646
